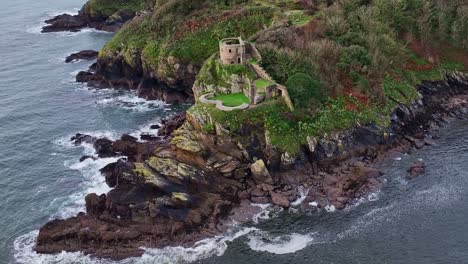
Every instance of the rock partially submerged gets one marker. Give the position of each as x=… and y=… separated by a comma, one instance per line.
x=145, y=87
x=74, y=23
x=82, y=55
x=416, y=169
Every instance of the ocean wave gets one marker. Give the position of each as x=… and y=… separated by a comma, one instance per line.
x=203, y=249
x=88, y=149
x=303, y=192
x=284, y=244
x=132, y=102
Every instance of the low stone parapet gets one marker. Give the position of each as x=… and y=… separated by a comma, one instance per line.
x=219, y=104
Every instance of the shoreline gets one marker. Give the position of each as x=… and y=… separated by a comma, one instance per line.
x=327, y=185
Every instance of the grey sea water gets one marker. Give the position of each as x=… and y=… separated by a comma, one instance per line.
x=419, y=221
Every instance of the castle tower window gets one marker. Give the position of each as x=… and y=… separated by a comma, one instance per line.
x=230, y=50
x=238, y=60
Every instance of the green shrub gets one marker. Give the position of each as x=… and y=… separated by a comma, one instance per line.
x=354, y=57
x=305, y=91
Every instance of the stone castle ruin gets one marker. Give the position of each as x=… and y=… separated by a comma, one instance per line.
x=232, y=51
x=236, y=51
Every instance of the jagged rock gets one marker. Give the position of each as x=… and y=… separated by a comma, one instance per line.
x=113, y=172
x=64, y=22
x=104, y=148
x=79, y=139
x=260, y=173
x=82, y=55
x=95, y=205
x=172, y=168
x=171, y=124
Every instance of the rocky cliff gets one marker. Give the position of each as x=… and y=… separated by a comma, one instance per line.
x=179, y=187
x=358, y=89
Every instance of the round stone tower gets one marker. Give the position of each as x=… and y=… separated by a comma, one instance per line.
x=232, y=51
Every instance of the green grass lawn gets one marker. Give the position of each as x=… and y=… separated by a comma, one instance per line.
x=231, y=100
x=261, y=84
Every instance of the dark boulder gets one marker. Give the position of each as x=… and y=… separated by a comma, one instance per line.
x=82, y=55
x=95, y=205
x=114, y=171
x=64, y=22
x=79, y=139
x=104, y=148
x=171, y=124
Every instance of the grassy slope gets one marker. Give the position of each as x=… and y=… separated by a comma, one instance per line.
x=366, y=54
x=374, y=69
x=108, y=7
x=189, y=33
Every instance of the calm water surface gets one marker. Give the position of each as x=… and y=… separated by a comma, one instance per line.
x=419, y=221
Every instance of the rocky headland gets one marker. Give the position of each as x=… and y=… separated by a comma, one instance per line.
x=360, y=96
x=182, y=185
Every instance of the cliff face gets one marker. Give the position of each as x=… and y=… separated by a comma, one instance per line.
x=162, y=50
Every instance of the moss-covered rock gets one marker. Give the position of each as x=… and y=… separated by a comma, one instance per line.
x=172, y=168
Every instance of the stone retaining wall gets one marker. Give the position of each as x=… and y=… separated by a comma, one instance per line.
x=284, y=91
x=219, y=104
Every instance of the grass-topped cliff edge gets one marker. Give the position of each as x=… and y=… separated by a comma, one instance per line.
x=344, y=62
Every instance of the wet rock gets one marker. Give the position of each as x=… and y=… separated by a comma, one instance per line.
x=83, y=158
x=260, y=173
x=155, y=127
x=104, y=148
x=416, y=169
x=79, y=139
x=64, y=22
x=171, y=124
x=113, y=172
x=279, y=199
x=95, y=205
x=148, y=137
x=129, y=138
x=82, y=55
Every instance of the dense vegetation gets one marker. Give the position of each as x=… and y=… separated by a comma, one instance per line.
x=344, y=62
x=353, y=63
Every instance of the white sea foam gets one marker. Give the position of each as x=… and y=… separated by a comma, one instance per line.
x=132, y=102
x=330, y=208
x=268, y=211
x=203, y=249
x=216, y=246
x=146, y=129
x=303, y=192
x=263, y=241
x=88, y=149
x=25, y=254
x=371, y=197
